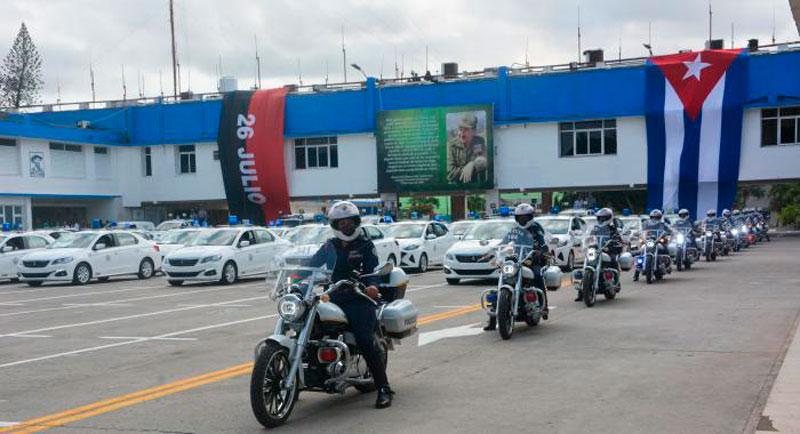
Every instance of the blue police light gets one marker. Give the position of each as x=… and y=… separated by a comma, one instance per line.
x=233, y=219
x=504, y=211
x=17, y=226
x=271, y=223
x=626, y=212
x=279, y=222
x=437, y=217
x=6, y=227
x=414, y=215
x=113, y=224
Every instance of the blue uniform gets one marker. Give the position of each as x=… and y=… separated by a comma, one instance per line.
x=358, y=255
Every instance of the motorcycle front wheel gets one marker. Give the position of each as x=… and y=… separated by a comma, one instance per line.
x=271, y=404
x=648, y=270
x=589, y=294
x=679, y=260
x=505, y=318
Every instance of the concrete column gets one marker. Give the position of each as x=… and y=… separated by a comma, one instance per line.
x=547, y=201
x=492, y=197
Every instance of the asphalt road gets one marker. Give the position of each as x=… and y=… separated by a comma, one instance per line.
x=695, y=353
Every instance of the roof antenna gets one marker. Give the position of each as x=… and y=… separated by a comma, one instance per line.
x=258, y=64
x=396, y=69
x=526, y=52
x=773, y=22
x=344, y=57
x=326, y=72
x=579, y=33
x=160, y=84
x=732, y=40
x=139, y=83
x=709, y=24
x=124, y=88
x=299, y=73
x=91, y=78
x=58, y=89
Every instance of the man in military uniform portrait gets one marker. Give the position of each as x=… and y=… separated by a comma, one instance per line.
x=467, y=159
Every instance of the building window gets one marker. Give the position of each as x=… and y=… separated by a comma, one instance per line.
x=216, y=155
x=65, y=147
x=7, y=142
x=186, y=159
x=100, y=150
x=11, y=214
x=588, y=138
x=779, y=126
x=9, y=157
x=102, y=162
x=67, y=161
x=147, y=154
x=316, y=152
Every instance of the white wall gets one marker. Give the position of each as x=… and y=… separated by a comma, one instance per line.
x=357, y=172
x=527, y=156
x=769, y=163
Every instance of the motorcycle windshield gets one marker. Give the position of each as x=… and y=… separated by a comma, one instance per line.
x=297, y=280
x=652, y=234
x=517, y=250
x=595, y=241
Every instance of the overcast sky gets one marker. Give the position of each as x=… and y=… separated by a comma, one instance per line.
x=71, y=35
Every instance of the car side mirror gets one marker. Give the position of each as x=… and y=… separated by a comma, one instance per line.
x=244, y=243
x=99, y=246
x=6, y=249
x=430, y=237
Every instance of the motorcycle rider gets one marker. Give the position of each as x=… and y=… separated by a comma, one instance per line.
x=657, y=225
x=352, y=251
x=605, y=228
x=530, y=234
x=686, y=225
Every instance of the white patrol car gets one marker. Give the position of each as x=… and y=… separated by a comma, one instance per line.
x=13, y=246
x=422, y=242
x=308, y=239
x=465, y=259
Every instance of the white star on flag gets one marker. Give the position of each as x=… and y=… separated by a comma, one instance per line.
x=694, y=67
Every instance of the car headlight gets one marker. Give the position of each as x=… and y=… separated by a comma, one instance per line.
x=411, y=247
x=214, y=258
x=291, y=308
x=451, y=257
x=650, y=244
x=591, y=254
x=679, y=238
x=509, y=268
x=64, y=260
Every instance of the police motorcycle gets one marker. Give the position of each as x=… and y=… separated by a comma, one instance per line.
x=682, y=250
x=312, y=349
x=711, y=241
x=597, y=275
x=654, y=260
x=512, y=301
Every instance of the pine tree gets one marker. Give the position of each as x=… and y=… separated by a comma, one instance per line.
x=21, y=73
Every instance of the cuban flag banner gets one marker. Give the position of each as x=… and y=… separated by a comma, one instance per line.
x=694, y=106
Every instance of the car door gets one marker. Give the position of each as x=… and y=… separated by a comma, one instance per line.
x=245, y=254
x=380, y=243
x=12, y=252
x=265, y=251
x=444, y=240
x=128, y=255
x=102, y=260
x=429, y=243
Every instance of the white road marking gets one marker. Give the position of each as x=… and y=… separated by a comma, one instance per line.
x=127, y=317
x=453, y=332
x=136, y=338
x=419, y=288
x=11, y=304
x=132, y=341
x=453, y=307
x=208, y=305
x=25, y=335
x=149, y=297
x=110, y=303
x=7, y=424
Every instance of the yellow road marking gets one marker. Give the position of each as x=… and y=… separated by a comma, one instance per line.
x=97, y=408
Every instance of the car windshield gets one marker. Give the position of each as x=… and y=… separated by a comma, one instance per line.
x=489, y=231
x=406, y=230
x=165, y=226
x=179, y=237
x=73, y=241
x=220, y=237
x=554, y=226
x=590, y=222
x=309, y=234
x=460, y=228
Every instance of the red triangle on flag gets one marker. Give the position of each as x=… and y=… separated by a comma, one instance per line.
x=694, y=74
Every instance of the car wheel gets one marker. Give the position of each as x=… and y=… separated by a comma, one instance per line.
x=82, y=274
x=228, y=273
x=175, y=282
x=392, y=260
x=423, y=263
x=453, y=281
x=146, y=269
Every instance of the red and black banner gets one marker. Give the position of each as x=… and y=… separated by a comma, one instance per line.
x=251, y=154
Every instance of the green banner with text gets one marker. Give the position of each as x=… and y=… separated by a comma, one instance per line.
x=435, y=149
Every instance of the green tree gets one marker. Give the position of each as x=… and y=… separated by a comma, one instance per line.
x=423, y=205
x=21, y=72
x=744, y=192
x=476, y=203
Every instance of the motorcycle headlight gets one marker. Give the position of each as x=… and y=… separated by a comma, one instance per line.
x=509, y=268
x=591, y=255
x=708, y=234
x=411, y=247
x=744, y=229
x=291, y=308
x=679, y=238
x=734, y=232
x=651, y=244
x=214, y=258
x=64, y=260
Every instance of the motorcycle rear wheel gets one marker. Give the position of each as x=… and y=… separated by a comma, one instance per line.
x=272, y=405
x=505, y=318
x=587, y=286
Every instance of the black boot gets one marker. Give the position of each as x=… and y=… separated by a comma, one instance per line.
x=636, y=276
x=385, y=394
x=579, y=297
x=491, y=325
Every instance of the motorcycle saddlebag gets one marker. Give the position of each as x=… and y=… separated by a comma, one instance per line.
x=625, y=261
x=400, y=319
x=552, y=277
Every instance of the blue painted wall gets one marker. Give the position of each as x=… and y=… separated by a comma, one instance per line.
x=601, y=93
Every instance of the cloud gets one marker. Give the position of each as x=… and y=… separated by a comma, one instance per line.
x=476, y=34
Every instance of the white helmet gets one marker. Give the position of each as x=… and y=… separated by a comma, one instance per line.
x=523, y=210
x=604, y=216
x=344, y=210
